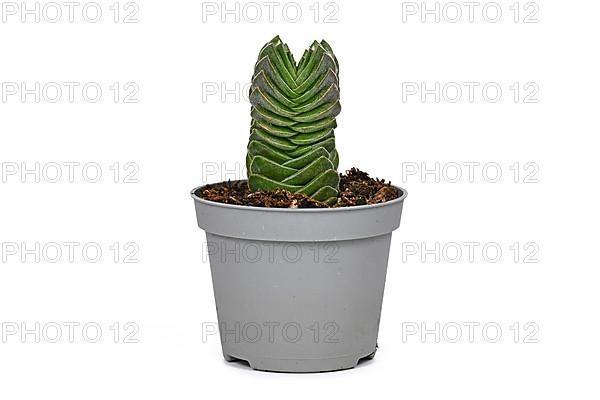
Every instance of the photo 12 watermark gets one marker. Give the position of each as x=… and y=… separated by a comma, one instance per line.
x=470, y=12
x=54, y=172
x=69, y=252
x=270, y=12
x=470, y=252
x=69, y=92
x=526, y=172
x=250, y=252
x=270, y=332
x=68, y=12
x=470, y=92
x=469, y=332
x=69, y=332
x=224, y=92
x=212, y=171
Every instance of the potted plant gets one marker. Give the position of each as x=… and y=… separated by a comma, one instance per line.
x=298, y=253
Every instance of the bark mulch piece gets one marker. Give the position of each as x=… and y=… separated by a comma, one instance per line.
x=356, y=189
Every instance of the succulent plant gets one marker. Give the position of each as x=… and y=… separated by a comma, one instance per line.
x=292, y=143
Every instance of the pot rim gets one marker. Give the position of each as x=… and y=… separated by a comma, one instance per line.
x=298, y=210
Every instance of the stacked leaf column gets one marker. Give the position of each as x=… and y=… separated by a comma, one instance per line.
x=292, y=143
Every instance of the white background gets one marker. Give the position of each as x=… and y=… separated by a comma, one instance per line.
x=178, y=133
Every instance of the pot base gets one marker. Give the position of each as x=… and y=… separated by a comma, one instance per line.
x=303, y=365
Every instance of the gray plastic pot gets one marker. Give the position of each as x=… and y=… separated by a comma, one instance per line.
x=298, y=290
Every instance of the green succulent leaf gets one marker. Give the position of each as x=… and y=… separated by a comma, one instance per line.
x=328, y=144
x=327, y=178
x=328, y=94
x=311, y=127
x=326, y=194
x=294, y=106
x=307, y=158
x=279, y=131
x=277, y=142
x=310, y=138
x=262, y=81
x=256, y=148
x=259, y=182
x=313, y=169
x=263, y=166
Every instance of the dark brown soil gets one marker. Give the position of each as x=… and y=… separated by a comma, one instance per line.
x=356, y=189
